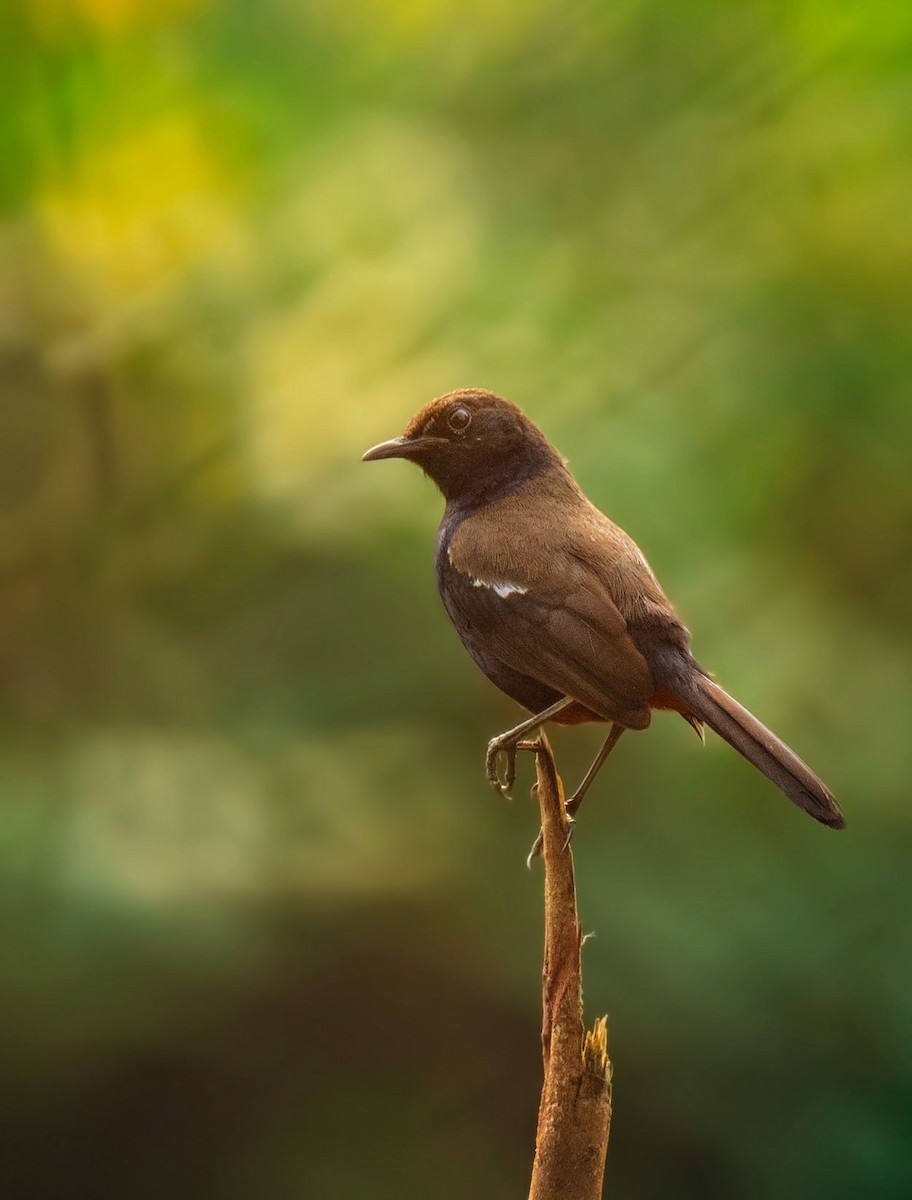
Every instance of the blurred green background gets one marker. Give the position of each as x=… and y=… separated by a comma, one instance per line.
x=265, y=931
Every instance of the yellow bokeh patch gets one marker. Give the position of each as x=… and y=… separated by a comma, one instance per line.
x=109, y=17
x=139, y=211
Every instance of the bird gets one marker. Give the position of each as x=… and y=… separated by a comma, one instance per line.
x=558, y=606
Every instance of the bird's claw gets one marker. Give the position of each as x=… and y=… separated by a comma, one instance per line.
x=571, y=825
x=501, y=783
x=509, y=749
x=535, y=851
x=538, y=844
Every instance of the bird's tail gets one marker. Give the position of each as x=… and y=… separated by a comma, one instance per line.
x=761, y=747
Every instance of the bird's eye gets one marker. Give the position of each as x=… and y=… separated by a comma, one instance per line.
x=459, y=419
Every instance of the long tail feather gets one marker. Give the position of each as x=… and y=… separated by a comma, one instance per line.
x=761, y=747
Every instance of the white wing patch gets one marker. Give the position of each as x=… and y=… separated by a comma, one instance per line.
x=502, y=589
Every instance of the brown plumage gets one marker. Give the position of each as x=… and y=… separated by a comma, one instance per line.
x=553, y=600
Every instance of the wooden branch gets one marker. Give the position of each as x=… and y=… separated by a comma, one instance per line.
x=574, y=1116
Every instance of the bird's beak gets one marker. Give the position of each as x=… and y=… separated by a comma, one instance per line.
x=400, y=447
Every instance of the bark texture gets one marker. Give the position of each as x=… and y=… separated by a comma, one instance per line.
x=574, y=1116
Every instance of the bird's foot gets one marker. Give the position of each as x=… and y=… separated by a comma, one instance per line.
x=571, y=808
x=539, y=842
x=506, y=746
x=533, y=744
x=501, y=783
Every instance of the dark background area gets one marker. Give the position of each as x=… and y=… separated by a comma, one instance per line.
x=265, y=931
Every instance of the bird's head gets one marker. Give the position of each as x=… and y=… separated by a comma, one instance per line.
x=472, y=443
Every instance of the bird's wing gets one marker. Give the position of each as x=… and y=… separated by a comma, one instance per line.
x=550, y=616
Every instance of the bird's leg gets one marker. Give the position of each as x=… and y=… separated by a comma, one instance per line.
x=614, y=734
x=573, y=804
x=508, y=743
